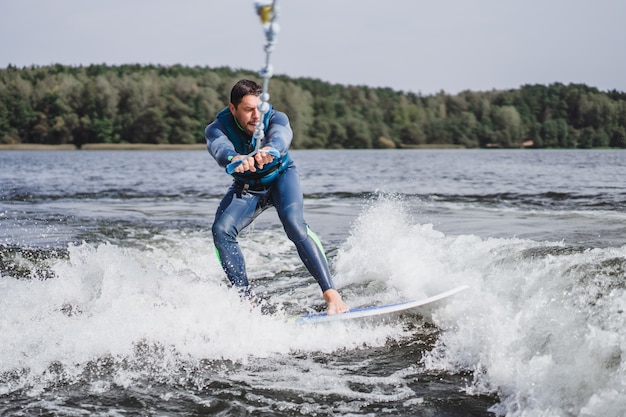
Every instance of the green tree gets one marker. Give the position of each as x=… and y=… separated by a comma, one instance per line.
x=507, y=126
x=181, y=126
x=555, y=133
x=412, y=134
x=357, y=134
x=319, y=134
x=338, y=135
x=618, y=139
x=149, y=127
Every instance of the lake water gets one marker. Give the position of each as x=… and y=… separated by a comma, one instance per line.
x=112, y=302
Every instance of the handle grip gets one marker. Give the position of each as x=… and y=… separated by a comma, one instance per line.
x=230, y=168
x=271, y=151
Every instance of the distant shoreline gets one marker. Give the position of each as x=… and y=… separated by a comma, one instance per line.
x=155, y=147
x=151, y=146
x=102, y=147
x=201, y=147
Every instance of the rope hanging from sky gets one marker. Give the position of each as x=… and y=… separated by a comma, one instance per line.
x=268, y=12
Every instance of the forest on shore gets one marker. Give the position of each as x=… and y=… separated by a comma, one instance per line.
x=148, y=104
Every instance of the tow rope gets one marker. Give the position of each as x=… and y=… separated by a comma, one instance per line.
x=268, y=13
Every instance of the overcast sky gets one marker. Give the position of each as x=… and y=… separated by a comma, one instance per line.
x=410, y=45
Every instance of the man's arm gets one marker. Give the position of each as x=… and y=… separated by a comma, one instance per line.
x=218, y=144
x=279, y=134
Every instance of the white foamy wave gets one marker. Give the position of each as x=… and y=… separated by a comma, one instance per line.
x=399, y=258
x=168, y=301
x=542, y=325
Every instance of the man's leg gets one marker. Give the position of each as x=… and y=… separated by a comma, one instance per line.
x=288, y=200
x=235, y=212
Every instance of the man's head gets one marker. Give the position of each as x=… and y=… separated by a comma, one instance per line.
x=244, y=102
x=242, y=89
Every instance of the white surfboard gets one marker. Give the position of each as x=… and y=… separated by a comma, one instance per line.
x=361, y=312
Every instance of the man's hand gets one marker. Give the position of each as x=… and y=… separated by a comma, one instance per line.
x=263, y=157
x=252, y=163
x=247, y=163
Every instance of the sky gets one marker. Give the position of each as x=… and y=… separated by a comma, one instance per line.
x=408, y=45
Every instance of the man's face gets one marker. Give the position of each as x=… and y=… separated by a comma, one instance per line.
x=247, y=112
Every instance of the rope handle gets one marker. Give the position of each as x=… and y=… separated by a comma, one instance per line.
x=230, y=168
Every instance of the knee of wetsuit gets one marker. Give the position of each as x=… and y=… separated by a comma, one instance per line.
x=295, y=227
x=220, y=229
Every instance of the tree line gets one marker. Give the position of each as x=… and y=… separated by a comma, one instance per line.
x=150, y=104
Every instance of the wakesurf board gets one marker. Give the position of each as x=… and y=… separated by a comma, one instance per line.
x=372, y=311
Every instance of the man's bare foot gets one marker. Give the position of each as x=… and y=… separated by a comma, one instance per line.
x=335, y=303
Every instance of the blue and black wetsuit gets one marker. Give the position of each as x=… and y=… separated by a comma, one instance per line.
x=251, y=193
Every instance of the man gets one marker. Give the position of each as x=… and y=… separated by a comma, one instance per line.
x=261, y=181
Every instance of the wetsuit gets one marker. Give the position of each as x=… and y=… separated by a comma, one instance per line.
x=277, y=184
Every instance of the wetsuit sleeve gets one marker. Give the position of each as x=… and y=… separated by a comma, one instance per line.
x=279, y=133
x=218, y=144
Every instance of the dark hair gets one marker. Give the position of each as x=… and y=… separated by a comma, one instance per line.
x=244, y=88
